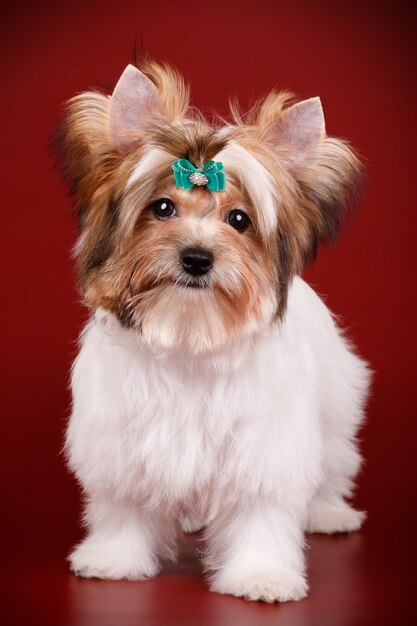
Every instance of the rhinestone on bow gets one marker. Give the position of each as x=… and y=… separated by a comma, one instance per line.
x=197, y=178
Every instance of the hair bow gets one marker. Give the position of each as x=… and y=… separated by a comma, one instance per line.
x=211, y=175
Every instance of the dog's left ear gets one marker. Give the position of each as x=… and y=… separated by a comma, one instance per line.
x=300, y=130
x=327, y=172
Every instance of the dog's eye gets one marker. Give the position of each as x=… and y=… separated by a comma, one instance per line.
x=238, y=220
x=163, y=208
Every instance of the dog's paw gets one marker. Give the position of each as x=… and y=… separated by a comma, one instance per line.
x=329, y=519
x=93, y=560
x=280, y=585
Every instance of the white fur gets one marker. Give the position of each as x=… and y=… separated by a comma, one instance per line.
x=153, y=160
x=256, y=440
x=256, y=179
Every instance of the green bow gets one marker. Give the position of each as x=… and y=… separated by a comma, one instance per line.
x=211, y=175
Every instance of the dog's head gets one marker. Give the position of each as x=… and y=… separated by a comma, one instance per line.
x=196, y=267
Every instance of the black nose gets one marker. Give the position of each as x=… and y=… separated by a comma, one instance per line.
x=196, y=261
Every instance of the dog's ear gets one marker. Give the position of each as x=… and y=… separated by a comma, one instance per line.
x=99, y=128
x=98, y=132
x=299, y=130
x=96, y=128
x=327, y=172
x=135, y=103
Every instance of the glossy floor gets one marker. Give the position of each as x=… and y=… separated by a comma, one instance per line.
x=355, y=580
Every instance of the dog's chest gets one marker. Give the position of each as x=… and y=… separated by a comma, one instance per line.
x=163, y=428
x=177, y=436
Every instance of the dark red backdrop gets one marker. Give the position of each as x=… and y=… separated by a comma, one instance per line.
x=359, y=59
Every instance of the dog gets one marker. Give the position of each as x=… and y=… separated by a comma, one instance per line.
x=213, y=389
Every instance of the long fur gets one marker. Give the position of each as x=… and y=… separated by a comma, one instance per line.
x=232, y=406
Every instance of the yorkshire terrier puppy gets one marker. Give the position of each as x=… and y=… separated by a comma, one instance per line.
x=213, y=388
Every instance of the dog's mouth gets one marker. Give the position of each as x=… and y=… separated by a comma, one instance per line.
x=193, y=283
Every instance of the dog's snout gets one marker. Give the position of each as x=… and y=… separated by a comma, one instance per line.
x=196, y=261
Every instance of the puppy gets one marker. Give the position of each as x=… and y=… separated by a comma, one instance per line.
x=213, y=388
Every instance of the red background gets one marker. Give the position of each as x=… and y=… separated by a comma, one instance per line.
x=359, y=59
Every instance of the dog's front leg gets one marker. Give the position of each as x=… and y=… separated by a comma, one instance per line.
x=124, y=540
x=255, y=550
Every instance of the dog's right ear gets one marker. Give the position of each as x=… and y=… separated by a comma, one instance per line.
x=98, y=131
x=97, y=128
x=135, y=104
x=96, y=135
